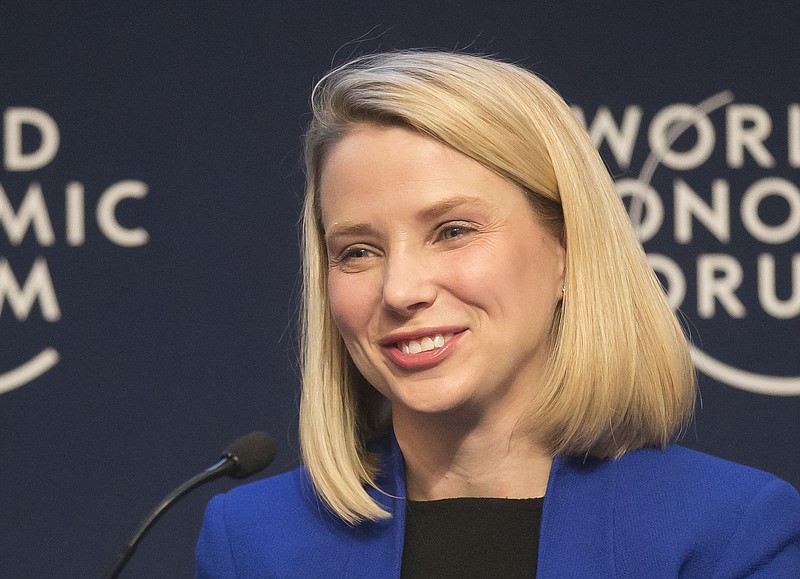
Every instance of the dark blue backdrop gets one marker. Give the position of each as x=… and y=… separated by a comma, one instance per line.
x=149, y=291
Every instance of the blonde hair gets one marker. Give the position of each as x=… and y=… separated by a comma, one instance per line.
x=620, y=376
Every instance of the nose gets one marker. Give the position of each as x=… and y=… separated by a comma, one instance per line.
x=408, y=283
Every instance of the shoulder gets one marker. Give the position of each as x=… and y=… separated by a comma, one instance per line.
x=681, y=470
x=673, y=480
x=289, y=490
x=259, y=525
x=682, y=482
x=670, y=484
x=717, y=517
x=674, y=471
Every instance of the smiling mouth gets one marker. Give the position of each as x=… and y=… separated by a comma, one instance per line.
x=425, y=344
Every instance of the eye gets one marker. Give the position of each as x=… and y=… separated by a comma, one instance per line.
x=353, y=256
x=355, y=253
x=455, y=230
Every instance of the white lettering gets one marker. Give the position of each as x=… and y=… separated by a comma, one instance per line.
x=14, y=158
x=38, y=285
x=750, y=137
x=767, y=295
x=76, y=227
x=762, y=188
x=31, y=210
x=676, y=282
x=794, y=135
x=669, y=123
x=712, y=287
x=106, y=217
x=645, y=210
x=621, y=139
x=716, y=217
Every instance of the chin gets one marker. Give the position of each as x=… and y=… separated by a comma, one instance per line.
x=426, y=406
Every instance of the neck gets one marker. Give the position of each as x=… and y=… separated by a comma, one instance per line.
x=478, y=459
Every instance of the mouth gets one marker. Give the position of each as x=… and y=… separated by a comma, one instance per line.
x=419, y=350
x=424, y=344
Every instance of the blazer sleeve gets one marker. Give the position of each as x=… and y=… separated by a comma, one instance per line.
x=766, y=542
x=213, y=553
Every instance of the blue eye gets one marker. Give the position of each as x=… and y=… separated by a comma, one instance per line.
x=454, y=231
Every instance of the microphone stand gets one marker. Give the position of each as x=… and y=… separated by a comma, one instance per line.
x=221, y=468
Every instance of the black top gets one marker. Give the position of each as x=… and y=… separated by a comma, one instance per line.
x=471, y=537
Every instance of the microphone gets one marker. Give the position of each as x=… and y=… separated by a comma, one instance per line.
x=244, y=457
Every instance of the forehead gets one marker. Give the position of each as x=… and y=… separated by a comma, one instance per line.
x=401, y=170
x=391, y=151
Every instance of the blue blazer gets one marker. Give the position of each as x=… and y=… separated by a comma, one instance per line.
x=650, y=514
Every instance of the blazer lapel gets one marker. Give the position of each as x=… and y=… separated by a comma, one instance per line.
x=577, y=533
x=377, y=547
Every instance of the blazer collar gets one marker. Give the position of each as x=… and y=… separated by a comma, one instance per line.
x=377, y=549
x=577, y=532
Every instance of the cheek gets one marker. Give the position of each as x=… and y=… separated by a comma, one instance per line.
x=350, y=305
x=508, y=279
x=353, y=307
x=484, y=274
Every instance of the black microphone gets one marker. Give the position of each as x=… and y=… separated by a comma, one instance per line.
x=244, y=457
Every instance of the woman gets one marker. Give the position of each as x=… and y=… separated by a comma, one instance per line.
x=491, y=373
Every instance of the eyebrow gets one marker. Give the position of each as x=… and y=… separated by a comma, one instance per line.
x=348, y=228
x=440, y=208
x=436, y=210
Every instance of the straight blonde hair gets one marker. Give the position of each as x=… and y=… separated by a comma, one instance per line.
x=619, y=377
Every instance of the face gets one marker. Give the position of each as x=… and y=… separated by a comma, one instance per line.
x=442, y=282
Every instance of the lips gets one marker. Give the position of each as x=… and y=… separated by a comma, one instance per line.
x=423, y=348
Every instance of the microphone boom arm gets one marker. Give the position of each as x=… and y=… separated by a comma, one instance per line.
x=221, y=468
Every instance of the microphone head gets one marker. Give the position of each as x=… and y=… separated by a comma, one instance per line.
x=250, y=454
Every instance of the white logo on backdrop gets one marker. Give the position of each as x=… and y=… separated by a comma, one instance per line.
x=33, y=214
x=718, y=275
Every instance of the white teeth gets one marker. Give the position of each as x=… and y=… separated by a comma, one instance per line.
x=426, y=344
